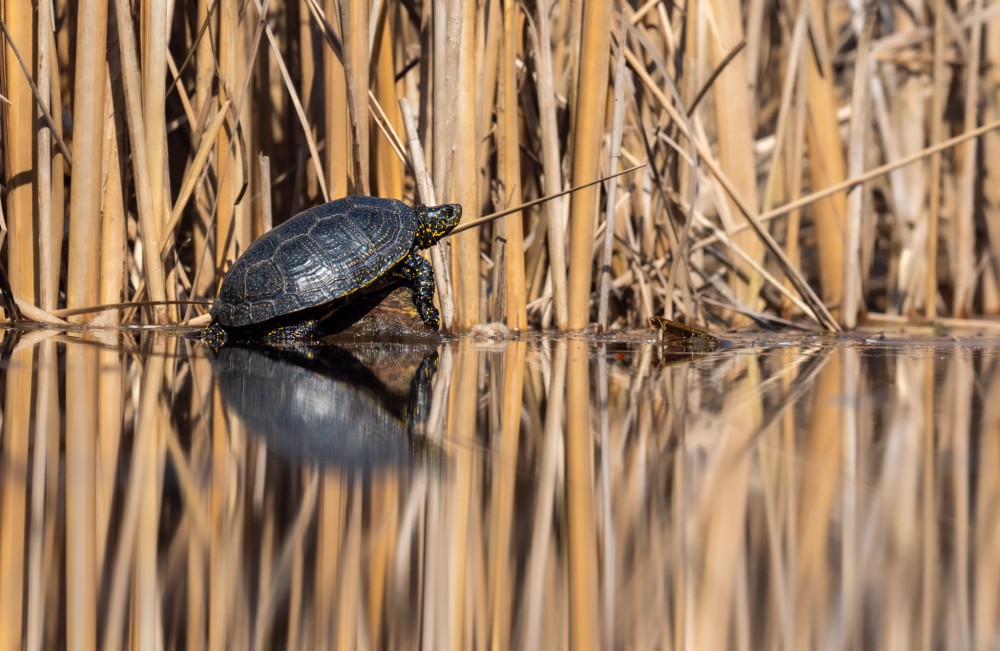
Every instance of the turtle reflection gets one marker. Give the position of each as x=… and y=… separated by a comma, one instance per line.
x=323, y=404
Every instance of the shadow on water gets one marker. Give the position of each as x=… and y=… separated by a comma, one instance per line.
x=545, y=493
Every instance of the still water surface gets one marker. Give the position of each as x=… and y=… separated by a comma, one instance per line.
x=552, y=493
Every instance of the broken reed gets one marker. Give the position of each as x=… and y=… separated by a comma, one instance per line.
x=512, y=102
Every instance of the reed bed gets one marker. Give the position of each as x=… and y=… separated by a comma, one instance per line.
x=823, y=162
x=585, y=497
x=132, y=133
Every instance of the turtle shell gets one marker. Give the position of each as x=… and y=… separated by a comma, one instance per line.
x=320, y=255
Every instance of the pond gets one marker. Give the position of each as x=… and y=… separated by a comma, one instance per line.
x=553, y=492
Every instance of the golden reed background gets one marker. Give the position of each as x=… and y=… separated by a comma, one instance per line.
x=146, y=144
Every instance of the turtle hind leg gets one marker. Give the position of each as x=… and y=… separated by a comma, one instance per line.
x=214, y=335
x=417, y=273
x=296, y=333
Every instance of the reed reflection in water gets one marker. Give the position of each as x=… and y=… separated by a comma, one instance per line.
x=553, y=493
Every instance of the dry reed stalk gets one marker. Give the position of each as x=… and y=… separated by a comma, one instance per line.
x=467, y=619
x=502, y=497
x=45, y=440
x=465, y=252
x=354, y=21
x=19, y=123
x=826, y=157
x=436, y=111
x=588, y=132
x=114, y=239
x=462, y=427
x=219, y=582
x=153, y=268
x=617, y=125
x=226, y=163
x=329, y=543
x=488, y=41
x=389, y=170
x=509, y=171
x=265, y=585
x=349, y=580
x=917, y=389
x=337, y=129
x=14, y=496
x=48, y=256
x=198, y=455
x=295, y=601
x=144, y=598
x=960, y=384
x=249, y=33
x=725, y=487
x=986, y=560
x=426, y=194
x=266, y=217
x=776, y=484
x=534, y=592
x=735, y=126
x=111, y=406
x=903, y=125
x=823, y=446
x=541, y=43
x=937, y=131
x=384, y=519
x=60, y=163
x=990, y=184
x=205, y=17
x=606, y=526
x=852, y=304
x=582, y=539
x=794, y=171
x=153, y=27
x=850, y=493
x=81, y=449
x=963, y=239
x=430, y=578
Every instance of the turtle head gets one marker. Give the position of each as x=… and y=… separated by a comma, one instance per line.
x=434, y=222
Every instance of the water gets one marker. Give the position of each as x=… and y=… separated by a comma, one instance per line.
x=553, y=493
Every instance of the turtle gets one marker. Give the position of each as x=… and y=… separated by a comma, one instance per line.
x=288, y=278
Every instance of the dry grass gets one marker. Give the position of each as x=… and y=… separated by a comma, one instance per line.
x=513, y=102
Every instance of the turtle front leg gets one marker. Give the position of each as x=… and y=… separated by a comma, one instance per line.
x=417, y=274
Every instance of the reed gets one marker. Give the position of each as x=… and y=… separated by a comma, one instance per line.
x=512, y=104
x=459, y=148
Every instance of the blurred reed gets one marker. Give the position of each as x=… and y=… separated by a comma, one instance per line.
x=806, y=495
x=739, y=108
